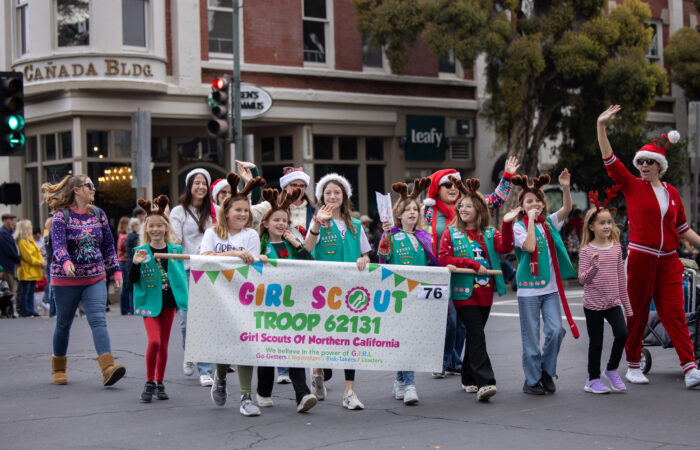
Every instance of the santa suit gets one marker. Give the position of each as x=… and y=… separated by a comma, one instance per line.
x=653, y=267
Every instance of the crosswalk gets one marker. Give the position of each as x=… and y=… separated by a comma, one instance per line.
x=500, y=307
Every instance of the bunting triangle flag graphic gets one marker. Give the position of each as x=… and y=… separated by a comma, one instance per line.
x=258, y=265
x=213, y=274
x=197, y=274
x=272, y=262
x=386, y=273
x=228, y=274
x=243, y=270
x=398, y=279
x=373, y=267
x=412, y=285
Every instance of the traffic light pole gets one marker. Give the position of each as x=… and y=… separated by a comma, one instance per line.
x=237, y=125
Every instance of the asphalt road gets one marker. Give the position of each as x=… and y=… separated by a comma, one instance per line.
x=35, y=414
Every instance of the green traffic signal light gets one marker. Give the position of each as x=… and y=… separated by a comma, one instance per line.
x=15, y=123
x=16, y=140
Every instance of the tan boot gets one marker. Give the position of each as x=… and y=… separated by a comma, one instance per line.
x=110, y=373
x=58, y=369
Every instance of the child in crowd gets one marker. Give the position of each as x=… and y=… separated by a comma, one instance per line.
x=472, y=244
x=160, y=287
x=542, y=265
x=602, y=274
x=278, y=242
x=232, y=236
x=407, y=243
x=341, y=238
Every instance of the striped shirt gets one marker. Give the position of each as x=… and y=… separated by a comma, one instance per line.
x=604, y=280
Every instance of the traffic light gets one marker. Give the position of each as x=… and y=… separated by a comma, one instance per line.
x=219, y=125
x=11, y=114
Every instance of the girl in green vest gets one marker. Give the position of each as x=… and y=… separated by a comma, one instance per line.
x=542, y=265
x=407, y=243
x=160, y=287
x=334, y=235
x=278, y=242
x=472, y=244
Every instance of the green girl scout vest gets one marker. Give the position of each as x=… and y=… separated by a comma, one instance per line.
x=403, y=252
x=148, y=292
x=331, y=246
x=272, y=253
x=462, y=284
x=524, y=276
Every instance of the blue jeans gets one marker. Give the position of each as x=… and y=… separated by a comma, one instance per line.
x=454, y=339
x=536, y=361
x=94, y=298
x=406, y=377
x=202, y=368
x=282, y=372
x=126, y=299
x=26, y=298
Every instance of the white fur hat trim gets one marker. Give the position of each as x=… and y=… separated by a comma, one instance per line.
x=293, y=176
x=217, y=188
x=446, y=178
x=321, y=185
x=645, y=154
x=194, y=172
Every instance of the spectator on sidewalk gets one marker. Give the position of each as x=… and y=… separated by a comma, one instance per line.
x=9, y=256
x=31, y=269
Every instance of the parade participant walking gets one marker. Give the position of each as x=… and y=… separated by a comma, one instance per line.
x=83, y=260
x=472, y=244
x=189, y=220
x=438, y=213
x=278, y=242
x=160, y=286
x=657, y=223
x=233, y=236
x=31, y=269
x=407, y=243
x=601, y=271
x=341, y=239
x=9, y=256
x=542, y=265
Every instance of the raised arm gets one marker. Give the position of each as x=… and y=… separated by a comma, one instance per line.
x=499, y=196
x=565, y=183
x=605, y=147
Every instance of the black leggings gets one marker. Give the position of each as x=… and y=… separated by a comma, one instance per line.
x=266, y=380
x=594, y=324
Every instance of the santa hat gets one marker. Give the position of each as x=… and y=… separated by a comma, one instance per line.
x=194, y=172
x=292, y=174
x=436, y=180
x=216, y=187
x=341, y=180
x=656, y=150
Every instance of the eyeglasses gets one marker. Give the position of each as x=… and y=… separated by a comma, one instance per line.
x=448, y=185
x=648, y=162
x=297, y=185
x=89, y=186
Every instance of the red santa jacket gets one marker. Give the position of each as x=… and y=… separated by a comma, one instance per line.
x=649, y=234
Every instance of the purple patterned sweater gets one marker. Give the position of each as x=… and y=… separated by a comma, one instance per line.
x=87, y=242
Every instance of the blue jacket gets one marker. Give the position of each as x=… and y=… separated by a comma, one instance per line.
x=9, y=255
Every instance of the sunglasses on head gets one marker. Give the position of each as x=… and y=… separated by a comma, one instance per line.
x=648, y=162
x=448, y=185
x=89, y=186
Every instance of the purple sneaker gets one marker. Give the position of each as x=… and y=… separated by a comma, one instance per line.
x=616, y=383
x=596, y=387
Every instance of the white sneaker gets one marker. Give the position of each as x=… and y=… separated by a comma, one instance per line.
x=398, y=391
x=188, y=368
x=692, y=378
x=471, y=389
x=307, y=402
x=486, y=392
x=318, y=387
x=410, y=396
x=635, y=376
x=264, y=402
x=248, y=408
x=283, y=379
x=206, y=380
x=350, y=401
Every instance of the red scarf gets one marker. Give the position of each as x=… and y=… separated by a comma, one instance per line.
x=553, y=254
x=448, y=212
x=213, y=213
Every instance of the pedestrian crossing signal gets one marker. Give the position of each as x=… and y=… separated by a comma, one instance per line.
x=12, y=114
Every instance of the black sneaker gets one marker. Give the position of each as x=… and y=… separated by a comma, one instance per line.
x=548, y=383
x=148, y=391
x=160, y=392
x=533, y=390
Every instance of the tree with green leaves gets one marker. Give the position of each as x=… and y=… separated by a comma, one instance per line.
x=683, y=58
x=551, y=66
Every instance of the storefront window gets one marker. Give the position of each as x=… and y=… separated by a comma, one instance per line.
x=347, y=148
x=32, y=184
x=114, y=193
x=97, y=144
x=192, y=150
x=286, y=148
x=375, y=149
x=73, y=22
x=54, y=174
x=160, y=150
x=49, y=146
x=272, y=175
x=122, y=144
x=30, y=150
x=267, y=149
x=214, y=172
x=323, y=147
x=161, y=184
x=375, y=183
x=65, y=142
x=349, y=171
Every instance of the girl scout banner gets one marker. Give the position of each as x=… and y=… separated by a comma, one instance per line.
x=295, y=313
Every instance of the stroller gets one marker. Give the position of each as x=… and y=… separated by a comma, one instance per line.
x=656, y=335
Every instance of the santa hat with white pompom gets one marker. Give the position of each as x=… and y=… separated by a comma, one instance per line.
x=656, y=150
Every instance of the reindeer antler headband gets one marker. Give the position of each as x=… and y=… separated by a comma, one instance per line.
x=281, y=201
x=233, y=180
x=419, y=185
x=535, y=187
x=468, y=188
x=157, y=207
x=610, y=193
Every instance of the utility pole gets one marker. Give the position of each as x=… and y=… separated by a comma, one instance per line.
x=237, y=151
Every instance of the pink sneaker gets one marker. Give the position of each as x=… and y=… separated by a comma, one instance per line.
x=596, y=387
x=616, y=383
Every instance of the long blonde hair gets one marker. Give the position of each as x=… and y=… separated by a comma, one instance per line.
x=401, y=206
x=62, y=195
x=221, y=229
x=587, y=235
x=169, y=237
x=23, y=231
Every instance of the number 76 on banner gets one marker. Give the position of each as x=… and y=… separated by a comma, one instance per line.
x=434, y=292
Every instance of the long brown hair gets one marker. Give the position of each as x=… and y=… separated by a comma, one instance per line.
x=483, y=219
x=346, y=206
x=61, y=195
x=587, y=235
x=535, y=188
x=204, y=210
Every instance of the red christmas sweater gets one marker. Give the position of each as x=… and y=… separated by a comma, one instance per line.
x=649, y=232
